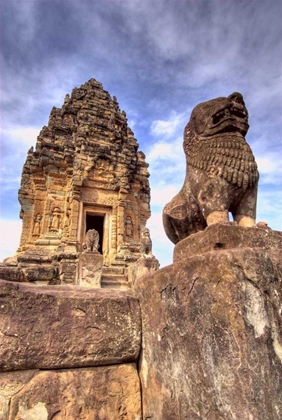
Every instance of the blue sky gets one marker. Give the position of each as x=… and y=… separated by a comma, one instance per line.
x=160, y=58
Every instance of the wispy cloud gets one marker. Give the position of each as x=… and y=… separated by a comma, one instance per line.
x=270, y=169
x=269, y=208
x=166, y=158
x=162, y=247
x=24, y=136
x=171, y=126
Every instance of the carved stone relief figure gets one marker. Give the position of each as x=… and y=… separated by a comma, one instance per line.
x=36, y=225
x=128, y=228
x=92, y=240
x=146, y=243
x=221, y=172
x=55, y=220
x=66, y=220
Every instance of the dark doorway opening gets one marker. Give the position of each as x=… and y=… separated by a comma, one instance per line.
x=97, y=223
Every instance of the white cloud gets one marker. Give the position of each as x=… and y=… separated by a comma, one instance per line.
x=23, y=136
x=270, y=169
x=9, y=238
x=163, y=194
x=168, y=128
x=15, y=142
x=162, y=247
x=167, y=155
x=166, y=158
x=269, y=207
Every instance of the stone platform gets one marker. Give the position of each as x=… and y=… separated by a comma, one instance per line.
x=219, y=237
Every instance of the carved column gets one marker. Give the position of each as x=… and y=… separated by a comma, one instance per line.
x=113, y=237
x=120, y=217
x=74, y=214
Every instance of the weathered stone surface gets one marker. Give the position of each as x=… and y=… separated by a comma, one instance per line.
x=66, y=326
x=221, y=172
x=212, y=337
x=85, y=175
x=226, y=236
x=10, y=384
x=90, y=267
x=110, y=392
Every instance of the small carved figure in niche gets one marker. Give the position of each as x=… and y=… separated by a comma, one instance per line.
x=55, y=220
x=36, y=225
x=66, y=220
x=92, y=240
x=128, y=228
x=146, y=243
x=221, y=172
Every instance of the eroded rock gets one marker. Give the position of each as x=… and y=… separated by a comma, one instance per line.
x=109, y=392
x=66, y=326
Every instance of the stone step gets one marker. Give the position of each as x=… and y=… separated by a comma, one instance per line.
x=114, y=282
x=113, y=270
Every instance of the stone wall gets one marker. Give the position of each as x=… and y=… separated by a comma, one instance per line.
x=212, y=328
x=211, y=346
x=68, y=353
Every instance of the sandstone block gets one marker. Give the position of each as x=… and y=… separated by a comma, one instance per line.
x=35, y=273
x=227, y=236
x=90, y=267
x=212, y=337
x=109, y=392
x=66, y=326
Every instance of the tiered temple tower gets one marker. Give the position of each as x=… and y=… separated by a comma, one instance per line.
x=86, y=173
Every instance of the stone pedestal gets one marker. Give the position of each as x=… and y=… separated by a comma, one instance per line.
x=90, y=266
x=219, y=237
x=212, y=328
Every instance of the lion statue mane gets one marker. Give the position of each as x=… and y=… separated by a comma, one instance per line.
x=221, y=172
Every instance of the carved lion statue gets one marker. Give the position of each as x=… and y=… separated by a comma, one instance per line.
x=221, y=172
x=92, y=240
x=146, y=243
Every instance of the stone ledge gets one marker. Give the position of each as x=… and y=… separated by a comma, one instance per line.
x=219, y=237
x=51, y=327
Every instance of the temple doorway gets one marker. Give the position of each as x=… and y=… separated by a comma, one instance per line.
x=96, y=222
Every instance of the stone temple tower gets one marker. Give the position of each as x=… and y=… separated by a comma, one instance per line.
x=86, y=173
